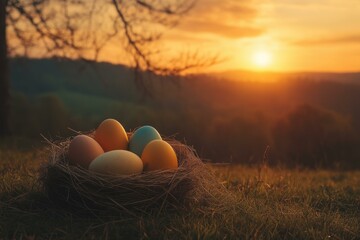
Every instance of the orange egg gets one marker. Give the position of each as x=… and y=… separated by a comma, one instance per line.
x=159, y=155
x=111, y=135
x=83, y=150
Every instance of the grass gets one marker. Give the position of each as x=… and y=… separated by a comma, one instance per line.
x=270, y=204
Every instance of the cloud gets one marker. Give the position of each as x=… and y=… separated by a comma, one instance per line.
x=187, y=37
x=317, y=3
x=227, y=18
x=328, y=40
x=221, y=29
x=225, y=10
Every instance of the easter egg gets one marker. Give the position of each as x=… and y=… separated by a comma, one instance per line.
x=83, y=150
x=117, y=162
x=111, y=135
x=159, y=155
x=141, y=138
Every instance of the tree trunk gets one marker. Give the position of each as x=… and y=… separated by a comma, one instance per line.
x=4, y=74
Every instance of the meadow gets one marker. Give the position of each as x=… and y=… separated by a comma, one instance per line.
x=260, y=203
x=308, y=187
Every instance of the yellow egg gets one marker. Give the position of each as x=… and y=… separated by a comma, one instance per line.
x=117, y=162
x=159, y=155
x=141, y=137
x=83, y=150
x=111, y=135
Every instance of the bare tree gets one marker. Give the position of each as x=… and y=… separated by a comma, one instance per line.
x=82, y=28
x=4, y=73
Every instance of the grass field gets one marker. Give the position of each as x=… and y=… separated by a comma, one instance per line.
x=269, y=204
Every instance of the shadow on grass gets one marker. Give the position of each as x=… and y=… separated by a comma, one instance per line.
x=31, y=215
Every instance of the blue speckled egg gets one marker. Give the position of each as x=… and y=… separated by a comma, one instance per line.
x=141, y=138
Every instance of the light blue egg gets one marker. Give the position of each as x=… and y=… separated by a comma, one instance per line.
x=141, y=138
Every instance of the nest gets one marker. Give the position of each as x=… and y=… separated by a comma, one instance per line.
x=79, y=190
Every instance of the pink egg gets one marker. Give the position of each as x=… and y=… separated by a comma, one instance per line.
x=83, y=150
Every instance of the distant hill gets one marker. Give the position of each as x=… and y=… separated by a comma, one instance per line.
x=230, y=116
x=109, y=79
x=242, y=75
x=36, y=76
x=90, y=88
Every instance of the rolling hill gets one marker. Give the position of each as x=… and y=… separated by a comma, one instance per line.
x=225, y=120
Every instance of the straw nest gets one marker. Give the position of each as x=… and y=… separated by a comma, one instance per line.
x=79, y=190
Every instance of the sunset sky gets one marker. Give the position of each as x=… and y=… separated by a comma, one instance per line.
x=271, y=35
x=297, y=35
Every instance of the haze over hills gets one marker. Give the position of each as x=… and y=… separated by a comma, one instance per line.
x=104, y=69
x=246, y=75
x=303, y=119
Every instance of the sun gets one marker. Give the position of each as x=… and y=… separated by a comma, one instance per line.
x=262, y=59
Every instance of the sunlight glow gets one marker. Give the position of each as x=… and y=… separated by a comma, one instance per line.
x=262, y=59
